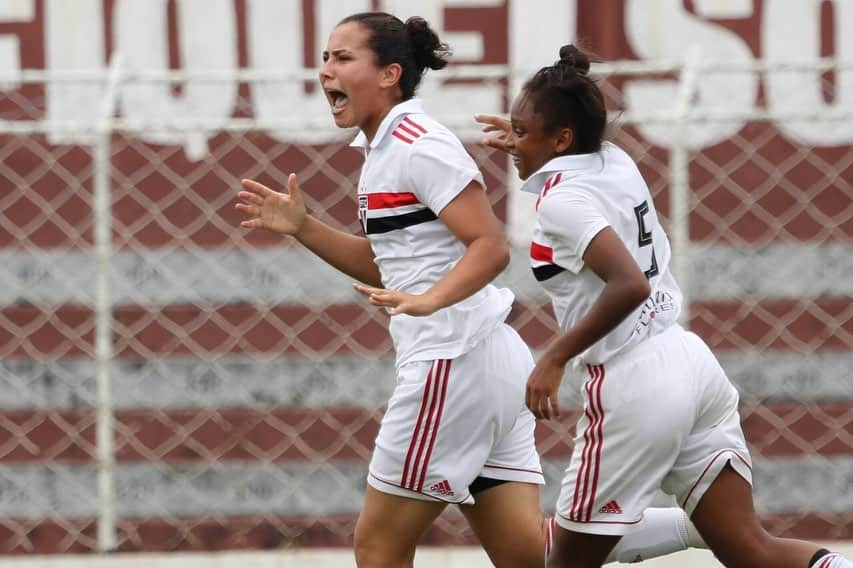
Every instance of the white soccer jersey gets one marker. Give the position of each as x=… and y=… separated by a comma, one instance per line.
x=579, y=195
x=414, y=167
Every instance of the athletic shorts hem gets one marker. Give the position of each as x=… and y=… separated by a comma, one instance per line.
x=739, y=463
x=384, y=486
x=509, y=473
x=614, y=528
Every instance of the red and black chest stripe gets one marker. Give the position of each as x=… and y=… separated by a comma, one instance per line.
x=542, y=261
x=386, y=211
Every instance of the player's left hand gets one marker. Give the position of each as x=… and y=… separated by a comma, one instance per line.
x=399, y=302
x=543, y=387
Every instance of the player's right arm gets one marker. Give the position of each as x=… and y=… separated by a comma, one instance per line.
x=285, y=213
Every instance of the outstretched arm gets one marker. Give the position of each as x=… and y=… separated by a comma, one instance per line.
x=285, y=213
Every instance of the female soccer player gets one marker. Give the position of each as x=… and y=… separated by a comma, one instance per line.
x=659, y=412
x=456, y=429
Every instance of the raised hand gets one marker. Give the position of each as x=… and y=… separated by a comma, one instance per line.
x=267, y=209
x=501, y=126
x=399, y=302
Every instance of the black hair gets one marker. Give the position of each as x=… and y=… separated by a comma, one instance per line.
x=565, y=96
x=413, y=45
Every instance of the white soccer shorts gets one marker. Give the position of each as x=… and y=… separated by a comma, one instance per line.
x=662, y=416
x=451, y=421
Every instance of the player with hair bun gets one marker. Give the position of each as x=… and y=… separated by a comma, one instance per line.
x=456, y=429
x=659, y=411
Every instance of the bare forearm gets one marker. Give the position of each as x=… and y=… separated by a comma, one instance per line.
x=484, y=259
x=615, y=303
x=350, y=254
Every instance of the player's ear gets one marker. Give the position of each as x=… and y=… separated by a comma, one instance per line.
x=390, y=75
x=563, y=139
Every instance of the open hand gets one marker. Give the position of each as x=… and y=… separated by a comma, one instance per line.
x=501, y=126
x=399, y=302
x=267, y=209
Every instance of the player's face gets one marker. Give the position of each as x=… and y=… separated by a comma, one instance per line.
x=350, y=78
x=529, y=144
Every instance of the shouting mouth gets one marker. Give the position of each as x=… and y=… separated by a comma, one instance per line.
x=338, y=99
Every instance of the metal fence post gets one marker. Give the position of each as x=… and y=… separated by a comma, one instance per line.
x=103, y=310
x=679, y=180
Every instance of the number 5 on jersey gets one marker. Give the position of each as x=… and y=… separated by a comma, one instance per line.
x=645, y=237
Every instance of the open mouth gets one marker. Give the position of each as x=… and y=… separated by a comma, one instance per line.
x=338, y=100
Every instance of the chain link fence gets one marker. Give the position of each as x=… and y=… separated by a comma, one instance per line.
x=173, y=382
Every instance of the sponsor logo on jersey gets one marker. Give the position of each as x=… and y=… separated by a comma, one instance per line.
x=362, y=212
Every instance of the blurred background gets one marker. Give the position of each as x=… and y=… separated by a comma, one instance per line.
x=170, y=382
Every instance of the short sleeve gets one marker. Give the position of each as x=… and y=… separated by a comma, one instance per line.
x=570, y=219
x=439, y=169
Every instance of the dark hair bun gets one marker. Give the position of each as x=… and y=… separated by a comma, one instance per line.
x=429, y=51
x=571, y=56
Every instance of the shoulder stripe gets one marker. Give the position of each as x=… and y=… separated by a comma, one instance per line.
x=387, y=200
x=552, y=181
x=408, y=131
x=397, y=134
x=415, y=125
x=549, y=183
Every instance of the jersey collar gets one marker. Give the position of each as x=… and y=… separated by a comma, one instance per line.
x=574, y=162
x=411, y=106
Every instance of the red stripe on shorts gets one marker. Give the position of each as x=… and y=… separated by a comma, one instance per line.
x=600, y=432
x=433, y=400
x=591, y=450
x=433, y=392
x=421, y=413
x=442, y=383
x=580, y=480
x=591, y=466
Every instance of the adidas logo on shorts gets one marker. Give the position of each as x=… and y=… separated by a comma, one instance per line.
x=612, y=507
x=442, y=488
